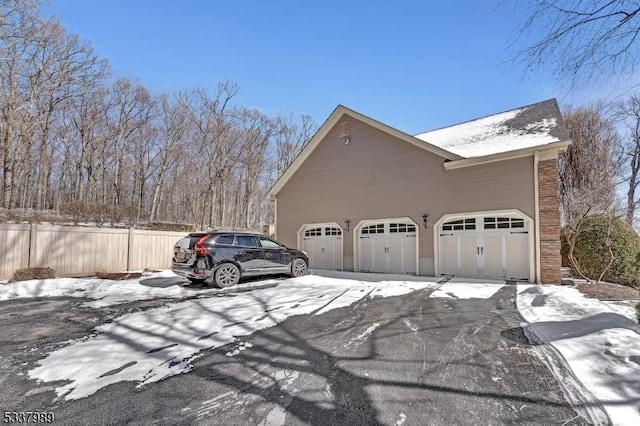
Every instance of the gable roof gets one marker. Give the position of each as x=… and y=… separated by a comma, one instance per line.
x=333, y=119
x=509, y=134
x=526, y=127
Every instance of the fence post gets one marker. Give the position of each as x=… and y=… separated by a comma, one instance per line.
x=130, y=250
x=33, y=245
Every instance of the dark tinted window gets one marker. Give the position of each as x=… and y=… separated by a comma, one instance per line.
x=225, y=239
x=246, y=241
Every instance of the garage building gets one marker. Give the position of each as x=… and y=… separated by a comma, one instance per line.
x=478, y=199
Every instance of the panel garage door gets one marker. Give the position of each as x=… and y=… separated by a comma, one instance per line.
x=323, y=244
x=485, y=246
x=388, y=247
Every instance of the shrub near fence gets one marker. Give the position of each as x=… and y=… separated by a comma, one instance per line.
x=73, y=250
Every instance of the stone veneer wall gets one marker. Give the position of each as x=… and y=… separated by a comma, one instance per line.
x=549, y=204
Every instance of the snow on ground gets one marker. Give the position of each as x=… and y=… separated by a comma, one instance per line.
x=151, y=345
x=468, y=288
x=600, y=342
x=105, y=292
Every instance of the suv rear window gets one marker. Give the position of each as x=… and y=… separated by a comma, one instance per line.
x=225, y=239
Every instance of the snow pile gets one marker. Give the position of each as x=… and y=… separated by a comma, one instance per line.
x=599, y=341
x=466, y=288
x=157, y=343
x=491, y=135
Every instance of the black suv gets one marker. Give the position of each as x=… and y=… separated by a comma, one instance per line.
x=222, y=258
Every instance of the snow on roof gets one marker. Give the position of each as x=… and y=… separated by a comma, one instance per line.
x=534, y=125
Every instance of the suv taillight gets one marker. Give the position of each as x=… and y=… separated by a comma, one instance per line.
x=200, y=248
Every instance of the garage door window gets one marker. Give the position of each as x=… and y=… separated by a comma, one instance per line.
x=503, y=223
x=313, y=232
x=401, y=227
x=373, y=229
x=460, y=224
x=332, y=231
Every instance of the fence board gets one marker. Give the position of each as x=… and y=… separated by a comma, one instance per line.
x=14, y=248
x=153, y=249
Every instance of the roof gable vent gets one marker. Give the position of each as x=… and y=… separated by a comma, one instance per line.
x=343, y=129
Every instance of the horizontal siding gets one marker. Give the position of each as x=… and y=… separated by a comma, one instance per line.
x=378, y=176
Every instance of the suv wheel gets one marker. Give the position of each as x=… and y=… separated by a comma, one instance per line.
x=226, y=275
x=298, y=267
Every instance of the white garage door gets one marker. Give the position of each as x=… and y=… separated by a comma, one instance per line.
x=388, y=247
x=323, y=244
x=485, y=246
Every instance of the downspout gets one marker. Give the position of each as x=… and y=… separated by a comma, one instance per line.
x=536, y=160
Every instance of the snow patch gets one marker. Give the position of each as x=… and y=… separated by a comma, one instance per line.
x=363, y=336
x=598, y=341
x=402, y=417
x=465, y=288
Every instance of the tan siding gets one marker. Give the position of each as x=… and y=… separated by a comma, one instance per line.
x=377, y=176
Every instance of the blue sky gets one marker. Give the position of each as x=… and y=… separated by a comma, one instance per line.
x=415, y=65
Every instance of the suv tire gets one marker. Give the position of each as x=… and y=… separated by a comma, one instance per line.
x=298, y=267
x=226, y=275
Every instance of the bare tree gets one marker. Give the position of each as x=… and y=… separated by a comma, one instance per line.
x=42, y=68
x=291, y=136
x=255, y=133
x=174, y=128
x=628, y=112
x=583, y=39
x=67, y=68
x=218, y=151
x=132, y=109
x=587, y=173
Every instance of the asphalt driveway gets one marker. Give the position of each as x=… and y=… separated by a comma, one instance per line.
x=405, y=360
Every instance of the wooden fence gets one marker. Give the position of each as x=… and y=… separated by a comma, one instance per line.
x=73, y=250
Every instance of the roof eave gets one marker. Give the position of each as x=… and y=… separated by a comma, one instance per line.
x=509, y=155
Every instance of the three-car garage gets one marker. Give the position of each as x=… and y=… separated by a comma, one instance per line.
x=487, y=244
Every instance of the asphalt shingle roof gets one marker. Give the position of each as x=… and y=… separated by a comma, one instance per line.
x=533, y=125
